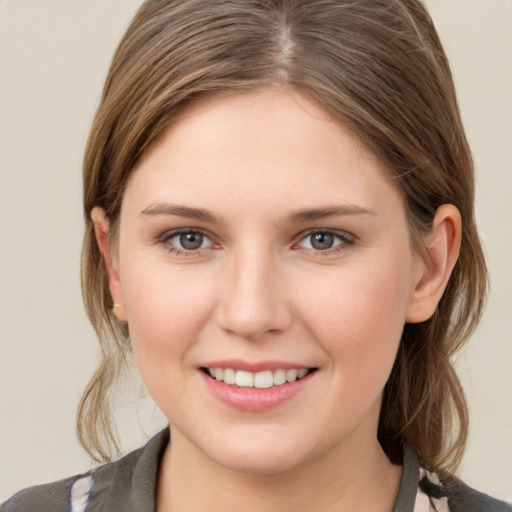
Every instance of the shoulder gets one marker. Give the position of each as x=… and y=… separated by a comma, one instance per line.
x=456, y=496
x=54, y=497
x=463, y=498
x=422, y=491
x=125, y=484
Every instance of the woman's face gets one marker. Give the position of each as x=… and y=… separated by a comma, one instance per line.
x=259, y=240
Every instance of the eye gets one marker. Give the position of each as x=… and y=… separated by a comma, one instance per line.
x=324, y=241
x=187, y=241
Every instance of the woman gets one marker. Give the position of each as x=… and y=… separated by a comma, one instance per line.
x=279, y=209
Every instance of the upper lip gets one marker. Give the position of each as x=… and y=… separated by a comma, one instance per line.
x=254, y=366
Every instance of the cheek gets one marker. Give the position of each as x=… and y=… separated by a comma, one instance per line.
x=166, y=306
x=166, y=312
x=358, y=315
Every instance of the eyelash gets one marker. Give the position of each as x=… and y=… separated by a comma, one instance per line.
x=344, y=239
x=172, y=249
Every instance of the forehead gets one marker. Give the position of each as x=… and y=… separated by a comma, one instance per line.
x=272, y=144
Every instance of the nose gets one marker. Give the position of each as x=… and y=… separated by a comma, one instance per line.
x=254, y=299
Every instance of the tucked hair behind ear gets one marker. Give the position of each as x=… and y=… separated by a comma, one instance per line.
x=379, y=68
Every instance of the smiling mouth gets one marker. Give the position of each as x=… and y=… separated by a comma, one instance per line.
x=260, y=380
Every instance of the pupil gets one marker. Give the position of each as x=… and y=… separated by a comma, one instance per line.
x=191, y=241
x=322, y=241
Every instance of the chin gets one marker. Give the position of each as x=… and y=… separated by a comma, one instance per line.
x=260, y=458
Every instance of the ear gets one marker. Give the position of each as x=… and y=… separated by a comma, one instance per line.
x=101, y=229
x=435, y=264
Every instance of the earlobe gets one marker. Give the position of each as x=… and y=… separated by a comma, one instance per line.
x=436, y=263
x=101, y=230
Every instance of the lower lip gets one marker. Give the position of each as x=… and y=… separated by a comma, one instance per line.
x=255, y=399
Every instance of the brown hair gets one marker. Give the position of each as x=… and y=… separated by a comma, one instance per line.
x=379, y=68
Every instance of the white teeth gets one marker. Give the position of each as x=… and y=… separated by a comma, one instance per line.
x=260, y=380
x=291, y=375
x=279, y=377
x=301, y=373
x=244, y=379
x=263, y=380
x=229, y=376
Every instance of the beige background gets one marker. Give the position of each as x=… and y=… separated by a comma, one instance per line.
x=53, y=58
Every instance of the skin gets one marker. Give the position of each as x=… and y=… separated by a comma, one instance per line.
x=258, y=290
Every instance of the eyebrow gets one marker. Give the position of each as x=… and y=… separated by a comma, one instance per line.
x=298, y=216
x=180, y=211
x=330, y=211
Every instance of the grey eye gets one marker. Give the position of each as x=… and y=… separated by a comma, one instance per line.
x=191, y=241
x=321, y=241
x=185, y=242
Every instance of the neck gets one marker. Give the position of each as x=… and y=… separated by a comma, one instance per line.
x=344, y=479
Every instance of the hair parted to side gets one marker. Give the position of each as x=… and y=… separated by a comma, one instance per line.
x=379, y=68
